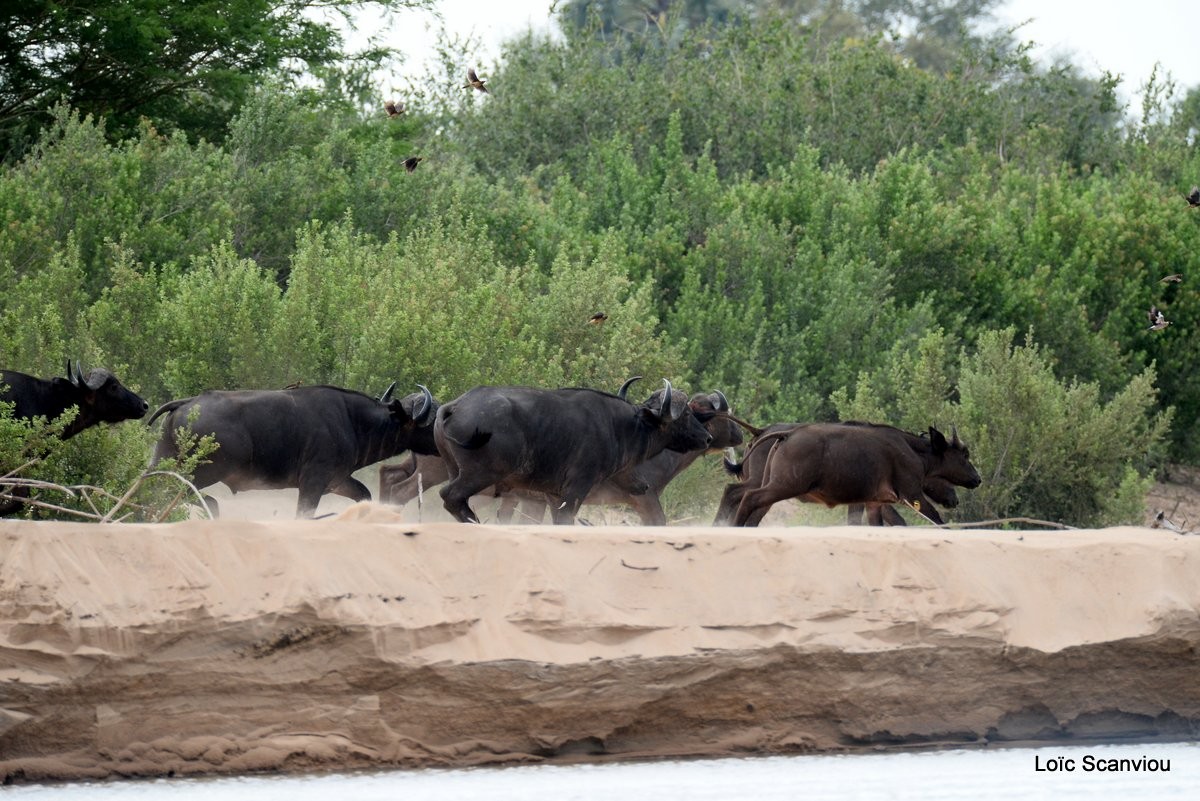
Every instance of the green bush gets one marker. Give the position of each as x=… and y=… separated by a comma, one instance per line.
x=1045, y=448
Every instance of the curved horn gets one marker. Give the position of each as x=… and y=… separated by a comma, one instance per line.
x=625, y=387
x=77, y=377
x=386, y=397
x=722, y=403
x=70, y=377
x=954, y=440
x=664, y=411
x=421, y=414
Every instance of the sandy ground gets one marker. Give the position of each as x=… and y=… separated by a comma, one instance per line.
x=368, y=639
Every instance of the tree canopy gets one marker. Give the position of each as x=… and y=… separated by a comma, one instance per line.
x=185, y=66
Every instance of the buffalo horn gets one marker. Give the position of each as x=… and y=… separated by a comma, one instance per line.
x=70, y=375
x=77, y=379
x=386, y=397
x=665, y=411
x=722, y=404
x=421, y=414
x=954, y=440
x=625, y=387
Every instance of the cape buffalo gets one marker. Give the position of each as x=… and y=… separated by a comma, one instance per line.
x=639, y=488
x=310, y=437
x=561, y=442
x=845, y=463
x=99, y=396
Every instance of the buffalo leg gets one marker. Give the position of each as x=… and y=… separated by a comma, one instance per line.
x=649, y=509
x=756, y=503
x=886, y=515
x=563, y=514
x=730, y=500
x=458, y=491
x=854, y=514
x=392, y=478
x=351, y=488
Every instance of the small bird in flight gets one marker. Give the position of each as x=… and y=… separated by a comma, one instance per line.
x=1193, y=197
x=473, y=81
x=1157, y=321
x=394, y=108
x=411, y=162
x=1171, y=279
x=597, y=318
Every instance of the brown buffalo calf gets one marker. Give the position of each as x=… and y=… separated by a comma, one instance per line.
x=843, y=463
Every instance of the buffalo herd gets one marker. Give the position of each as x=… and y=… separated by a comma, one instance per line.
x=533, y=448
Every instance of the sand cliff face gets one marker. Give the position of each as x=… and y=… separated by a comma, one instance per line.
x=220, y=647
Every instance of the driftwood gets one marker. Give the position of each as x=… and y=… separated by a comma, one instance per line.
x=90, y=494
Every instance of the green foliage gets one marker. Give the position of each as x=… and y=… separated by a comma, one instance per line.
x=39, y=319
x=186, y=65
x=99, y=471
x=1046, y=448
x=215, y=321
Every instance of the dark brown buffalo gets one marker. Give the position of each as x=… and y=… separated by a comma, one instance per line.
x=844, y=463
x=640, y=488
x=560, y=442
x=311, y=438
x=97, y=396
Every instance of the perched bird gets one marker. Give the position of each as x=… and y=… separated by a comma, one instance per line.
x=1171, y=279
x=473, y=81
x=411, y=162
x=394, y=108
x=1193, y=197
x=597, y=318
x=1157, y=321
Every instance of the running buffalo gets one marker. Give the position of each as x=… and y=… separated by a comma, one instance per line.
x=846, y=463
x=309, y=437
x=98, y=395
x=639, y=488
x=560, y=442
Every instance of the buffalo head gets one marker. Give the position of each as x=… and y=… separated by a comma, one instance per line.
x=668, y=410
x=955, y=460
x=712, y=411
x=102, y=398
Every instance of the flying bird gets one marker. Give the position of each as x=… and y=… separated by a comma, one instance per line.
x=1171, y=279
x=411, y=162
x=597, y=318
x=1193, y=197
x=1157, y=321
x=394, y=108
x=473, y=81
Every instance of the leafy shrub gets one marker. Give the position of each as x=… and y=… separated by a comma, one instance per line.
x=1045, y=448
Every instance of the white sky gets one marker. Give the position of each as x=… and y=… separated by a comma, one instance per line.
x=1116, y=35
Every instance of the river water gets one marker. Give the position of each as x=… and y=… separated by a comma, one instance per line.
x=954, y=775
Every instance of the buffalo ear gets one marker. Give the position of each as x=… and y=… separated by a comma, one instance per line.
x=938, y=440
